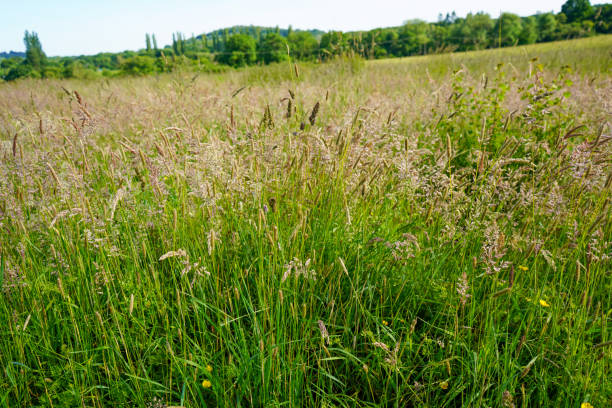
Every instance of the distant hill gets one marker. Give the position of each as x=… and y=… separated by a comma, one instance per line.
x=12, y=54
x=252, y=30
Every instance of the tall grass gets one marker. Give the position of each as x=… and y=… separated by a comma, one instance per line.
x=422, y=238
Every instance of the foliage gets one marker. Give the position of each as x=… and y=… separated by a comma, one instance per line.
x=577, y=10
x=239, y=51
x=21, y=70
x=273, y=48
x=333, y=43
x=302, y=45
x=474, y=31
x=529, y=32
x=138, y=65
x=509, y=28
x=35, y=57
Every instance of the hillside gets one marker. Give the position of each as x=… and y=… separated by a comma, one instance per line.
x=12, y=54
x=259, y=30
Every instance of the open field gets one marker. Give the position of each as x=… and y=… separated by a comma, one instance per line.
x=586, y=55
x=392, y=233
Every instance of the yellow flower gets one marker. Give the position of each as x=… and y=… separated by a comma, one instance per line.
x=522, y=268
x=386, y=323
x=544, y=303
x=444, y=385
x=209, y=368
x=206, y=384
x=586, y=405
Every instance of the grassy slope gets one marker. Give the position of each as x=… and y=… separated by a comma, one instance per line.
x=590, y=54
x=432, y=239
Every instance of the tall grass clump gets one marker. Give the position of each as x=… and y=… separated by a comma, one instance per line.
x=351, y=234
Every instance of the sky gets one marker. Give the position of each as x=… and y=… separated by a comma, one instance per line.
x=75, y=27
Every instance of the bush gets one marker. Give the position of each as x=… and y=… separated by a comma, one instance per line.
x=22, y=70
x=138, y=65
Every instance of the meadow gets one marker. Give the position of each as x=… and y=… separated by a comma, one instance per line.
x=430, y=232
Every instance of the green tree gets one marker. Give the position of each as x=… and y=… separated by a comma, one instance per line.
x=148, y=42
x=302, y=45
x=547, y=27
x=577, y=10
x=529, y=33
x=273, y=48
x=333, y=43
x=35, y=57
x=440, y=38
x=215, y=42
x=154, y=42
x=225, y=37
x=138, y=65
x=508, y=28
x=473, y=32
x=181, y=43
x=239, y=51
x=602, y=17
x=413, y=38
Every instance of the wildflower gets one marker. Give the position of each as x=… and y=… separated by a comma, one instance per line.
x=522, y=268
x=209, y=368
x=206, y=384
x=386, y=323
x=586, y=405
x=544, y=303
x=444, y=385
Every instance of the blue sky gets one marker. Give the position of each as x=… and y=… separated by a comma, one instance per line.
x=71, y=27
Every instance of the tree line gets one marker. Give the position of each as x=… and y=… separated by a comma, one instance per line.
x=247, y=45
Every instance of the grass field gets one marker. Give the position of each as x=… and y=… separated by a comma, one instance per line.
x=428, y=232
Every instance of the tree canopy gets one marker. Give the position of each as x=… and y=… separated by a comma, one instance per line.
x=577, y=10
x=240, y=50
x=35, y=57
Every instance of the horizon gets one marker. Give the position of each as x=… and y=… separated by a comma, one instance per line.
x=77, y=30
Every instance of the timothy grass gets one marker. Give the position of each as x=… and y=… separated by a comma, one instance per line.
x=424, y=237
